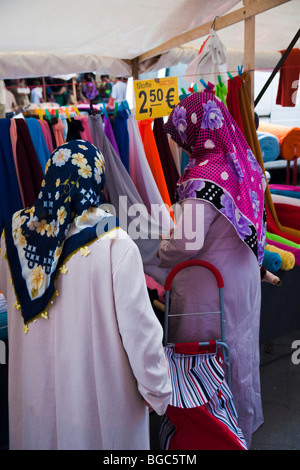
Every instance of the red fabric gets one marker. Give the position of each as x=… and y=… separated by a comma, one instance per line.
x=288, y=79
x=195, y=348
x=288, y=215
x=272, y=228
x=232, y=100
x=198, y=429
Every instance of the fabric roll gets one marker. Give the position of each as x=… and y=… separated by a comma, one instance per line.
x=120, y=129
x=288, y=137
x=287, y=258
x=272, y=261
x=289, y=215
x=166, y=158
x=273, y=228
x=285, y=187
x=295, y=194
x=280, y=199
x=280, y=239
x=10, y=200
x=282, y=246
x=38, y=141
x=269, y=145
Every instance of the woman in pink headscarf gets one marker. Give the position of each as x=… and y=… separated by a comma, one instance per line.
x=221, y=196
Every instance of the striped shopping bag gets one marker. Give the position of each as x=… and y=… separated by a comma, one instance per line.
x=201, y=414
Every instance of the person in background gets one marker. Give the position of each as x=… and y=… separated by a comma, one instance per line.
x=221, y=195
x=105, y=88
x=118, y=92
x=10, y=102
x=86, y=357
x=21, y=92
x=60, y=91
x=89, y=88
x=36, y=95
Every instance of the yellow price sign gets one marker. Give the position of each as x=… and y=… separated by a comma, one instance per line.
x=156, y=97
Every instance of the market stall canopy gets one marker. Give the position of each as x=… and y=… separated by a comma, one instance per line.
x=41, y=38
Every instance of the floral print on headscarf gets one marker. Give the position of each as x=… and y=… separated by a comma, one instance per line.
x=222, y=168
x=37, y=240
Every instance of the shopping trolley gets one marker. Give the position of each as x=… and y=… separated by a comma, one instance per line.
x=201, y=414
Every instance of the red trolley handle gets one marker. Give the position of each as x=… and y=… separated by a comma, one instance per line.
x=193, y=262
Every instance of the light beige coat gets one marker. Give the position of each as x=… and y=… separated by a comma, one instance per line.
x=77, y=380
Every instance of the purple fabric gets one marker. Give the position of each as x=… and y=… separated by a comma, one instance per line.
x=108, y=131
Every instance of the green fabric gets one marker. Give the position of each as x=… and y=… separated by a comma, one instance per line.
x=279, y=239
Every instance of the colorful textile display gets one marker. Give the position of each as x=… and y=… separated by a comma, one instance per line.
x=287, y=258
x=286, y=247
x=288, y=137
x=153, y=158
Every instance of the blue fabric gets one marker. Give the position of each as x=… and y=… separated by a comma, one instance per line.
x=184, y=161
x=281, y=192
x=120, y=129
x=38, y=141
x=272, y=261
x=10, y=198
x=269, y=146
x=3, y=325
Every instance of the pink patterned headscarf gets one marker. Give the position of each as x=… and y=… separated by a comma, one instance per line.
x=222, y=168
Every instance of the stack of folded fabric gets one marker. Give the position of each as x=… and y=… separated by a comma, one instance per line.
x=288, y=137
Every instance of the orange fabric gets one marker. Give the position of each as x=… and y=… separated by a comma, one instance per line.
x=153, y=159
x=288, y=136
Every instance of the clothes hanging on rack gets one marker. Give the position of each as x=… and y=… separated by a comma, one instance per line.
x=10, y=200
x=153, y=158
x=120, y=129
x=166, y=158
x=30, y=170
x=47, y=134
x=13, y=139
x=119, y=183
x=108, y=131
x=85, y=133
x=38, y=141
x=142, y=176
x=75, y=127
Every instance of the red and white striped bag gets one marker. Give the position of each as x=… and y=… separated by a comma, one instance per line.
x=201, y=414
